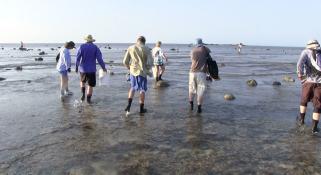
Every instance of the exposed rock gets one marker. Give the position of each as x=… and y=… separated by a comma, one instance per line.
x=53, y=49
x=29, y=81
x=110, y=72
x=2, y=48
x=7, y=69
x=276, y=83
x=288, y=79
x=111, y=61
x=2, y=79
x=39, y=59
x=251, y=83
x=223, y=65
x=229, y=97
x=22, y=49
x=19, y=68
x=59, y=47
x=14, y=48
x=162, y=83
x=173, y=49
x=39, y=49
x=42, y=53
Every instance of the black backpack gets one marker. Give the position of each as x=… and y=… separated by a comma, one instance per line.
x=212, y=68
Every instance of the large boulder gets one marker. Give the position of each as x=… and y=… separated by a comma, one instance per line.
x=276, y=83
x=162, y=83
x=229, y=97
x=2, y=79
x=19, y=68
x=42, y=53
x=288, y=79
x=39, y=59
x=251, y=83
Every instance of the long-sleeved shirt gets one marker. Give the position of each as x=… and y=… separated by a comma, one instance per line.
x=64, y=62
x=87, y=55
x=138, y=58
x=306, y=69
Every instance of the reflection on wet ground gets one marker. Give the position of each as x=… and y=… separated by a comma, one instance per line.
x=255, y=134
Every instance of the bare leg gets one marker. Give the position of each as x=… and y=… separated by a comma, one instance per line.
x=161, y=72
x=90, y=91
x=141, y=101
x=131, y=93
x=157, y=72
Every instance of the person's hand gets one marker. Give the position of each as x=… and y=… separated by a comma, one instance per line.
x=69, y=70
x=76, y=70
x=104, y=69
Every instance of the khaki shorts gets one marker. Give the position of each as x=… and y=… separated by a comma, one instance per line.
x=197, y=83
x=311, y=92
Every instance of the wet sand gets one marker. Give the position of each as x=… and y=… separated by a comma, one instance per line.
x=254, y=134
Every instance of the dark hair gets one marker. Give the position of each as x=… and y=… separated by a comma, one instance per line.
x=70, y=44
x=141, y=39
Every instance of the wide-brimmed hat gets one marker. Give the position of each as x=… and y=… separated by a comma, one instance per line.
x=313, y=44
x=89, y=38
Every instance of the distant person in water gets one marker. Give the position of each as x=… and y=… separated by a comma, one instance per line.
x=138, y=61
x=159, y=60
x=87, y=55
x=64, y=67
x=198, y=74
x=309, y=72
x=239, y=48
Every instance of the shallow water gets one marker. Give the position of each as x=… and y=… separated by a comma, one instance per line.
x=255, y=134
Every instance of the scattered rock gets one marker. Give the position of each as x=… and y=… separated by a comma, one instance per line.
x=59, y=47
x=223, y=65
x=29, y=49
x=42, y=53
x=39, y=49
x=173, y=49
x=19, y=68
x=29, y=81
x=162, y=83
x=229, y=97
x=53, y=49
x=110, y=72
x=111, y=61
x=39, y=59
x=288, y=79
x=14, y=48
x=7, y=69
x=2, y=48
x=276, y=83
x=251, y=83
x=2, y=79
x=22, y=49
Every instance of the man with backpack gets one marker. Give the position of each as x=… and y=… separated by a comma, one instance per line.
x=198, y=73
x=309, y=72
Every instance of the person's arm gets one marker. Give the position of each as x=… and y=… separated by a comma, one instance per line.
x=67, y=60
x=100, y=59
x=163, y=55
x=126, y=60
x=149, y=62
x=301, y=64
x=79, y=55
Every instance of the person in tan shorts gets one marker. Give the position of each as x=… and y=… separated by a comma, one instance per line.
x=309, y=72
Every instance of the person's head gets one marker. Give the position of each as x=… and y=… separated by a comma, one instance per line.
x=199, y=41
x=70, y=45
x=313, y=45
x=89, y=39
x=158, y=44
x=141, y=40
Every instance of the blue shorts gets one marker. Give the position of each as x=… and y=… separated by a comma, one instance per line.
x=138, y=83
x=64, y=73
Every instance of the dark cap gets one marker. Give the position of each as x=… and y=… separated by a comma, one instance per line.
x=70, y=44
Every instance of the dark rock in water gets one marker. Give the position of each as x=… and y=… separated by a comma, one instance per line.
x=288, y=79
x=223, y=65
x=173, y=49
x=22, y=49
x=19, y=68
x=39, y=59
x=251, y=83
x=59, y=47
x=111, y=73
x=229, y=97
x=29, y=81
x=111, y=61
x=7, y=69
x=1, y=79
x=42, y=53
x=162, y=83
x=2, y=48
x=53, y=49
x=29, y=49
x=276, y=83
x=39, y=49
x=14, y=48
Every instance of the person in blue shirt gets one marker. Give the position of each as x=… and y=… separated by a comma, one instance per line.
x=63, y=67
x=87, y=55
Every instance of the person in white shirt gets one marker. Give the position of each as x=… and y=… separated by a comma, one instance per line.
x=63, y=67
x=159, y=57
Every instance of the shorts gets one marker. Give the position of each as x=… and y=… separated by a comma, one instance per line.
x=138, y=83
x=88, y=77
x=63, y=73
x=311, y=92
x=197, y=83
x=158, y=62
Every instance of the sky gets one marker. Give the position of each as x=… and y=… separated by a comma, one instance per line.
x=252, y=22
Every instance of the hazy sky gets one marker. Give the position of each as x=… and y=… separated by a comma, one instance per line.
x=254, y=22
